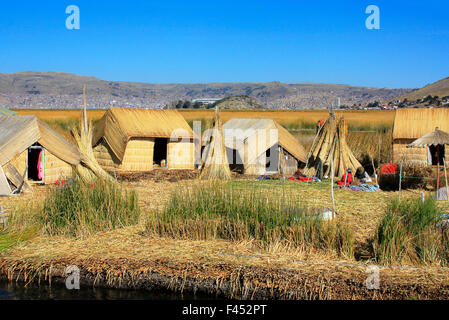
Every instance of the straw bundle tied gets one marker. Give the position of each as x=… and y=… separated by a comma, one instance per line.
x=330, y=146
x=88, y=168
x=215, y=165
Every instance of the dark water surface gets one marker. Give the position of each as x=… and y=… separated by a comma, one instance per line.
x=18, y=291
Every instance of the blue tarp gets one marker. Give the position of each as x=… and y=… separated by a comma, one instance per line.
x=365, y=187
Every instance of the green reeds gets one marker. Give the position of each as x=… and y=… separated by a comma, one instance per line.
x=9, y=239
x=412, y=231
x=79, y=209
x=219, y=211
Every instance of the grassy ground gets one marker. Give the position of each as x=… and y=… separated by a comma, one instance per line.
x=361, y=211
x=126, y=251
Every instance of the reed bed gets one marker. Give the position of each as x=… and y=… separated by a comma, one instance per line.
x=371, y=145
x=412, y=231
x=220, y=211
x=79, y=209
x=366, y=145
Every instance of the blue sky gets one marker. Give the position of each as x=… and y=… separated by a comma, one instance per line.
x=231, y=41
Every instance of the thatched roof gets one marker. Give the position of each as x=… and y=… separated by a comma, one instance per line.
x=19, y=132
x=432, y=138
x=237, y=130
x=118, y=125
x=414, y=123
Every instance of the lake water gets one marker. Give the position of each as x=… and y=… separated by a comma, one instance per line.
x=17, y=291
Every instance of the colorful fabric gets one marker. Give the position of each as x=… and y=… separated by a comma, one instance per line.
x=365, y=187
x=300, y=179
x=40, y=166
x=60, y=182
x=389, y=168
x=346, y=177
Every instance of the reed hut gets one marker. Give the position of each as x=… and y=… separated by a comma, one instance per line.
x=411, y=124
x=330, y=147
x=24, y=141
x=260, y=146
x=137, y=140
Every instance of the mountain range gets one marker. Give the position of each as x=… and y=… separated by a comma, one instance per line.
x=59, y=90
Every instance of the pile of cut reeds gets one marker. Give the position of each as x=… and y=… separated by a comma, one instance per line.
x=215, y=165
x=330, y=146
x=88, y=169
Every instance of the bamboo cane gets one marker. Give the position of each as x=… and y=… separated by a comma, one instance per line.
x=283, y=177
x=400, y=181
x=332, y=186
x=438, y=177
x=375, y=174
x=445, y=177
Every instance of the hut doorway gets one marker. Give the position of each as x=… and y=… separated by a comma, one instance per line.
x=160, y=152
x=436, y=154
x=234, y=160
x=36, y=163
x=272, y=159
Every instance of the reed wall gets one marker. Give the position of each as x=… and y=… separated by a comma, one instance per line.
x=20, y=161
x=180, y=154
x=256, y=167
x=138, y=156
x=412, y=156
x=55, y=168
x=291, y=164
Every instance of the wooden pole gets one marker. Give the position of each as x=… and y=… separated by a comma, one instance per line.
x=438, y=170
x=375, y=174
x=445, y=177
x=332, y=186
x=346, y=179
x=400, y=181
x=283, y=175
x=438, y=177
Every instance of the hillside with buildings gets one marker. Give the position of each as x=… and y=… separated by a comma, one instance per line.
x=58, y=90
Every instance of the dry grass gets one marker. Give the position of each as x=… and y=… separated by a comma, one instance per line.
x=373, y=118
x=62, y=114
x=356, y=119
x=128, y=252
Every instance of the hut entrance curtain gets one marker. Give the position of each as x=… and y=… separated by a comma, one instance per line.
x=435, y=154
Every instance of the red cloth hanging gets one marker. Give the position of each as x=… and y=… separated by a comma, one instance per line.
x=40, y=166
x=348, y=177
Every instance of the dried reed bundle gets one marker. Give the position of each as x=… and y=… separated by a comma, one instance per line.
x=89, y=169
x=331, y=145
x=215, y=165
